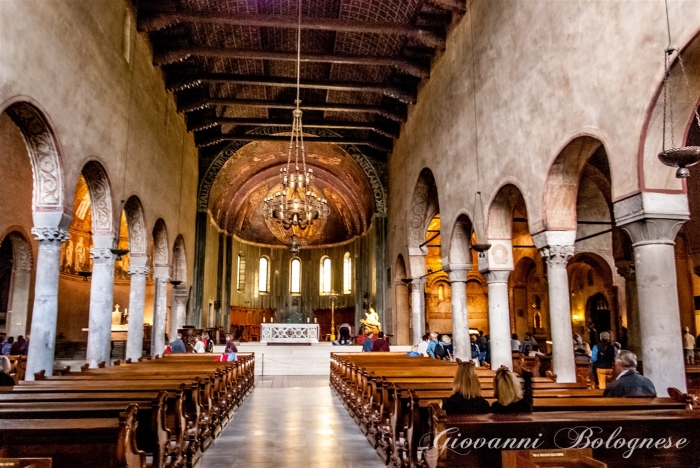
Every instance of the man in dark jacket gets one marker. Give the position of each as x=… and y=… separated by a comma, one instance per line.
x=381, y=344
x=178, y=346
x=629, y=382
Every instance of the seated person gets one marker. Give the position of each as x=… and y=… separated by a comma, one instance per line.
x=5, y=379
x=466, y=397
x=422, y=346
x=199, y=346
x=629, y=382
x=381, y=344
x=509, y=395
x=178, y=346
x=515, y=342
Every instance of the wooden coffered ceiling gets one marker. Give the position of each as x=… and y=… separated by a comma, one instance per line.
x=231, y=64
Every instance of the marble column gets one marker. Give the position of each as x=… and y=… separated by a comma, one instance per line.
x=417, y=310
x=460, y=314
x=499, y=319
x=657, y=295
x=160, y=311
x=101, y=303
x=634, y=342
x=17, y=318
x=137, y=300
x=44, y=316
x=556, y=248
x=178, y=310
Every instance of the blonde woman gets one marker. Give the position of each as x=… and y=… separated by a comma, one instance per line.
x=5, y=379
x=466, y=397
x=509, y=394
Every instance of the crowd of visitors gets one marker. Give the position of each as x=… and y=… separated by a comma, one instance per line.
x=12, y=347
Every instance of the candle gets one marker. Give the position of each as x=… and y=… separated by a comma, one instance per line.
x=307, y=319
x=263, y=319
x=315, y=320
x=272, y=319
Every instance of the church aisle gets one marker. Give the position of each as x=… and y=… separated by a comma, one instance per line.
x=291, y=421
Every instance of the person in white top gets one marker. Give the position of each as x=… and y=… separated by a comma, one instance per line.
x=199, y=346
x=423, y=345
x=689, y=346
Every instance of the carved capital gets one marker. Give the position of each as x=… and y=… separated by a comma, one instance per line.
x=139, y=270
x=557, y=256
x=417, y=285
x=49, y=234
x=101, y=254
x=653, y=231
x=497, y=276
x=625, y=269
x=458, y=275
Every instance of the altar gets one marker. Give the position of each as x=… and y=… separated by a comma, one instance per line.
x=289, y=333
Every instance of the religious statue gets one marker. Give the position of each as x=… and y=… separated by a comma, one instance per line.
x=371, y=321
x=80, y=254
x=116, y=315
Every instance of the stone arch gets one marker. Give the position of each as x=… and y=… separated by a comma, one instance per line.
x=179, y=260
x=23, y=257
x=424, y=205
x=561, y=188
x=500, y=215
x=591, y=275
x=136, y=222
x=100, y=199
x=45, y=155
x=460, y=243
x=20, y=274
x=160, y=244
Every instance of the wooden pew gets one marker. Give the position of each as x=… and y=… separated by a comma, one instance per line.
x=98, y=442
x=633, y=427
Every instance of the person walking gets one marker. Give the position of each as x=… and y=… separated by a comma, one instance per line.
x=604, y=358
x=689, y=346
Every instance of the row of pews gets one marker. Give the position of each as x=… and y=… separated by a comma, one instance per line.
x=396, y=401
x=160, y=413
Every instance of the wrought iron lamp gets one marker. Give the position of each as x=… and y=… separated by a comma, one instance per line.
x=682, y=157
x=297, y=205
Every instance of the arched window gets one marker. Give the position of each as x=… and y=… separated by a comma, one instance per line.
x=325, y=276
x=347, y=273
x=295, y=277
x=264, y=275
x=240, y=272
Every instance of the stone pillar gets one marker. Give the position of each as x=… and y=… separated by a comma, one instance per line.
x=137, y=299
x=160, y=311
x=657, y=294
x=634, y=342
x=43, y=331
x=101, y=303
x=417, y=310
x=17, y=317
x=499, y=319
x=460, y=314
x=556, y=248
x=178, y=309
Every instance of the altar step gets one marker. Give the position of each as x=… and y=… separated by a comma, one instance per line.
x=314, y=359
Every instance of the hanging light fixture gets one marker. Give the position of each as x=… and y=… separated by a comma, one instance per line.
x=297, y=205
x=682, y=157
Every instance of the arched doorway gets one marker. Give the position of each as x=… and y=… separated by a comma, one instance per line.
x=16, y=262
x=402, y=304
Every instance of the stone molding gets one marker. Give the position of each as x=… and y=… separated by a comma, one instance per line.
x=496, y=276
x=50, y=235
x=417, y=284
x=626, y=269
x=458, y=275
x=648, y=205
x=139, y=270
x=557, y=256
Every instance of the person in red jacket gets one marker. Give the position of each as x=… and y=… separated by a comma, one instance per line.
x=381, y=344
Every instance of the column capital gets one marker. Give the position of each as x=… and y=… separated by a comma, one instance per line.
x=496, y=276
x=557, y=255
x=417, y=284
x=101, y=254
x=653, y=231
x=625, y=268
x=139, y=270
x=457, y=273
x=50, y=234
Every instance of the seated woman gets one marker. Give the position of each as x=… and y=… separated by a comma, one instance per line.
x=5, y=379
x=509, y=395
x=466, y=397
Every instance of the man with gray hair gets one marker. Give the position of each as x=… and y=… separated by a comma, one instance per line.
x=629, y=382
x=177, y=346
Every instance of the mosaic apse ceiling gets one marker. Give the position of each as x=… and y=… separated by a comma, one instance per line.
x=236, y=200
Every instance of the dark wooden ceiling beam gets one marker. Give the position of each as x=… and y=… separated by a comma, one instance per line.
x=186, y=81
x=194, y=125
x=207, y=102
x=168, y=55
x=149, y=21
x=216, y=139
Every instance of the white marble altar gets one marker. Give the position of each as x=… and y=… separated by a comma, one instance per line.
x=289, y=333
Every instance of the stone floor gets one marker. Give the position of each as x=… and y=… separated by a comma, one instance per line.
x=295, y=422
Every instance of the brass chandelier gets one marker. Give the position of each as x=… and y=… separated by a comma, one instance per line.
x=297, y=205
